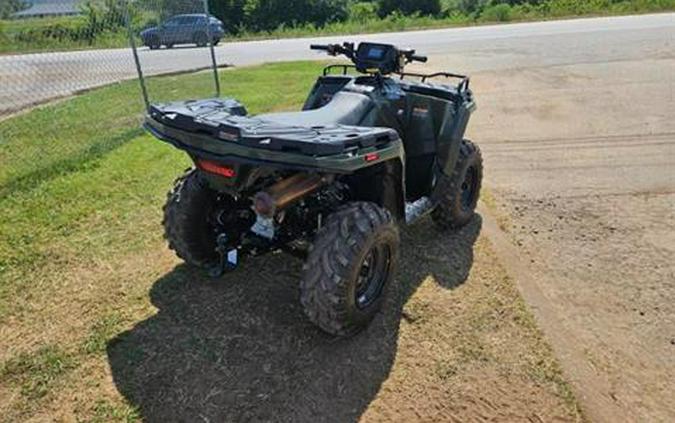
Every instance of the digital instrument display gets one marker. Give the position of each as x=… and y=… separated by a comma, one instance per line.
x=376, y=53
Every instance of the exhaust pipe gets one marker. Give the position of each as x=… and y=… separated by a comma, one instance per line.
x=286, y=192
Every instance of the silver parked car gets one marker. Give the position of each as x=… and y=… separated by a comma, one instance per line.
x=184, y=29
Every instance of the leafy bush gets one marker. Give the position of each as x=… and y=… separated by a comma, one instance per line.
x=497, y=13
x=59, y=31
x=471, y=6
x=3, y=35
x=230, y=12
x=98, y=20
x=265, y=15
x=362, y=11
x=410, y=7
x=8, y=7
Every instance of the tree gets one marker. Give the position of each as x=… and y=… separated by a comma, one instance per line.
x=409, y=7
x=270, y=14
x=9, y=7
x=230, y=12
x=477, y=6
x=175, y=7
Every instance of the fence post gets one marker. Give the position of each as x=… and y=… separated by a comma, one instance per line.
x=132, y=42
x=214, y=64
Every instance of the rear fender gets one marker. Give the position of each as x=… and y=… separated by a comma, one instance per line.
x=382, y=184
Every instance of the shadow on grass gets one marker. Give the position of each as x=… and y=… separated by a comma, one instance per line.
x=72, y=164
x=241, y=349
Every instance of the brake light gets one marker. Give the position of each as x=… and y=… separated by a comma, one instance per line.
x=216, y=168
x=371, y=157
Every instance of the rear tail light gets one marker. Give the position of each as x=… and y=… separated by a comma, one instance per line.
x=371, y=157
x=216, y=168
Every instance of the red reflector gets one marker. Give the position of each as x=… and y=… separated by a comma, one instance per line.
x=372, y=157
x=216, y=168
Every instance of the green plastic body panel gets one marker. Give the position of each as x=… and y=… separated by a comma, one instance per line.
x=231, y=152
x=430, y=120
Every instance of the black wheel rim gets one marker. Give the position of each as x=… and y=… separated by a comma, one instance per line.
x=373, y=274
x=469, y=188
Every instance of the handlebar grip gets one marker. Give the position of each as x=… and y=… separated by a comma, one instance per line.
x=416, y=58
x=319, y=47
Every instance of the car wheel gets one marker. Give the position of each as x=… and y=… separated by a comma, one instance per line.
x=153, y=43
x=200, y=39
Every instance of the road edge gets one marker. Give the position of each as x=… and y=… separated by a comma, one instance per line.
x=590, y=387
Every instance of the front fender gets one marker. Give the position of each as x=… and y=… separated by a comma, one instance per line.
x=451, y=136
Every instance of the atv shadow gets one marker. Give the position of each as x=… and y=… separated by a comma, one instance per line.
x=240, y=348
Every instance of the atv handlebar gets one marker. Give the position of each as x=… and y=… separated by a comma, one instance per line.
x=410, y=56
x=335, y=49
x=416, y=58
x=348, y=50
x=386, y=58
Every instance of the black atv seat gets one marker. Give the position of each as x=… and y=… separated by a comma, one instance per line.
x=345, y=108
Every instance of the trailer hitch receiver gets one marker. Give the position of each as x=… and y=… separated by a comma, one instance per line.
x=229, y=257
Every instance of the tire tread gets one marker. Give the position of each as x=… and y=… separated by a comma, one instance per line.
x=330, y=264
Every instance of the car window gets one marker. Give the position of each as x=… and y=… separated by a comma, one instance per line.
x=197, y=20
x=172, y=21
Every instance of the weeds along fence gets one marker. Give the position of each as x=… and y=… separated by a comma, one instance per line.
x=61, y=109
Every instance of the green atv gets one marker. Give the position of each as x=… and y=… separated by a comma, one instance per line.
x=330, y=184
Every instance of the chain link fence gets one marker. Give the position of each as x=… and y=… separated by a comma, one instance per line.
x=54, y=50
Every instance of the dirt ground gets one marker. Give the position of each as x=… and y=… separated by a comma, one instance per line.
x=455, y=343
x=581, y=162
x=465, y=348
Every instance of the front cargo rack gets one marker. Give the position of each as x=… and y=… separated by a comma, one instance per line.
x=463, y=85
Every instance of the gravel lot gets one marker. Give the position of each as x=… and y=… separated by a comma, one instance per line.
x=581, y=161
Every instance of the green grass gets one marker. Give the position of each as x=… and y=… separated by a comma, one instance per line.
x=60, y=138
x=80, y=185
x=69, y=166
x=11, y=42
x=14, y=26
x=104, y=411
x=101, y=332
x=35, y=372
x=552, y=9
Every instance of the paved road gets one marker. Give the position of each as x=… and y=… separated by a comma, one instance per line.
x=29, y=79
x=578, y=135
